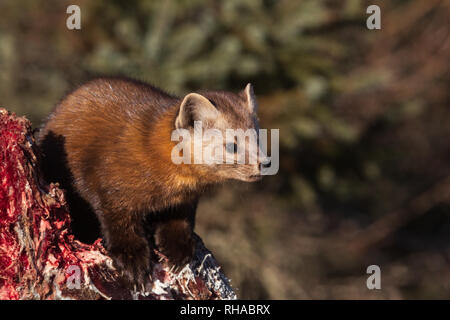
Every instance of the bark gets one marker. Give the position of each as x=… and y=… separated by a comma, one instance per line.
x=41, y=259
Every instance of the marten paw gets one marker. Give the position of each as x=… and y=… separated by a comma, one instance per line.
x=133, y=262
x=179, y=252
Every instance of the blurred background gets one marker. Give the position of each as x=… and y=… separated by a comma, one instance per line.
x=364, y=121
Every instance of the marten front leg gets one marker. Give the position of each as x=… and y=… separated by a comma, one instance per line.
x=174, y=240
x=126, y=244
x=174, y=235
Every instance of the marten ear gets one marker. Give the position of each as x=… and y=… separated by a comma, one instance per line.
x=251, y=99
x=195, y=107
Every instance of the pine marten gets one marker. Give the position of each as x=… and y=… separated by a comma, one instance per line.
x=109, y=145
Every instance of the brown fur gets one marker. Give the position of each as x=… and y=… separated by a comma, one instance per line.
x=109, y=145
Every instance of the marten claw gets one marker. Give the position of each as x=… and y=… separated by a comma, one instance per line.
x=133, y=263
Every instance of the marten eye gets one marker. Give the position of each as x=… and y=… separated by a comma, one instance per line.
x=231, y=147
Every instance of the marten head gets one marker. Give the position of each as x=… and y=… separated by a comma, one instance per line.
x=220, y=135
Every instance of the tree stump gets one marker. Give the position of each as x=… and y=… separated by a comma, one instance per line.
x=41, y=259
